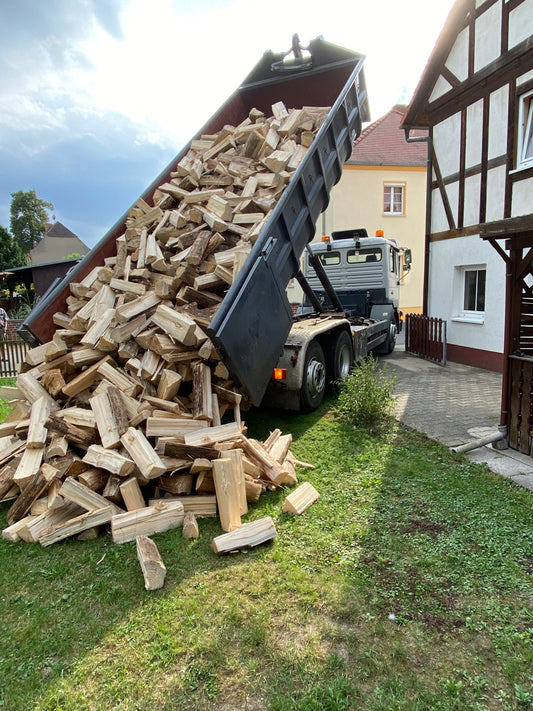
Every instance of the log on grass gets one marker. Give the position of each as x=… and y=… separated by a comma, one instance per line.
x=247, y=536
x=151, y=563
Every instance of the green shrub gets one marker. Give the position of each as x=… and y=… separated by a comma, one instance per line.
x=366, y=397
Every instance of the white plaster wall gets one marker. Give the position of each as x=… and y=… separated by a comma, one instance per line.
x=522, y=200
x=495, y=193
x=488, y=31
x=446, y=136
x=521, y=23
x=457, y=60
x=444, y=302
x=471, y=204
x=441, y=87
x=439, y=222
x=474, y=134
x=498, y=109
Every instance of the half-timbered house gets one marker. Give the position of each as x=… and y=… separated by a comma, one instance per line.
x=476, y=98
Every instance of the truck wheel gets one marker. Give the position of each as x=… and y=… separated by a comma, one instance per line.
x=341, y=357
x=314, y=378
x=391, y=340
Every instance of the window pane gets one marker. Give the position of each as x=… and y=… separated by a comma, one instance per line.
x=480, y=302
x=330, y=258
x=528, y=148
x=356, y=256
x=470, y=291
x=474, y=295
x=387, y=199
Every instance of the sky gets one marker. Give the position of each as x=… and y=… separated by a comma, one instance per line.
x=98, y=96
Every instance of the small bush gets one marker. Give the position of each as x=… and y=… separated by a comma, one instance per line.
x=366, y=397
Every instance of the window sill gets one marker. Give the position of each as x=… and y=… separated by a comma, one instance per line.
x=521, y=169
x=478, y=320
x=393, y=214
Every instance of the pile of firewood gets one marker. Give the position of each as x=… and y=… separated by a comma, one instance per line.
x=128, y=416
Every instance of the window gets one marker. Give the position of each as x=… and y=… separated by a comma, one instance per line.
x=474, y=293
x=393, y=198
x=368, y=254
x=471, y=301
x=330, y=258
x=525, y=131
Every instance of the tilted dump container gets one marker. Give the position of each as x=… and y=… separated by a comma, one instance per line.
x=255, y=317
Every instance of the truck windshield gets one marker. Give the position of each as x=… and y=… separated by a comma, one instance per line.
x=369, y=254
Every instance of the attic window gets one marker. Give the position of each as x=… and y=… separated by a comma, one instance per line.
x=393, y=198
x=525, y=131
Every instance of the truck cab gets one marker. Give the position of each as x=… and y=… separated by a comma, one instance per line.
x=363, y=271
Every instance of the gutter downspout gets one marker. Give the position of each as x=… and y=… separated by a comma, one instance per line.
x=429, y=171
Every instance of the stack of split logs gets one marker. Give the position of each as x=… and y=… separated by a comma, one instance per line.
x=127, y=416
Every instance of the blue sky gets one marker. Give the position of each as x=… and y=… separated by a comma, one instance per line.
x=98, y=96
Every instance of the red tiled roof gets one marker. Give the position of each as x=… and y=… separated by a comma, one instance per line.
x=383, y=143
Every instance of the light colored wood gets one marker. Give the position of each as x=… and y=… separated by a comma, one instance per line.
x=111, y=461
x=151, y=563
x=300, y=499
x=190, y=525
x=29, y=466
x=38, y=484
x=108, y=427
x=85, y=379
x=13, y=532
x=169, y=384
x=136, y=307
x=75, y=525
x=162, y=516
x=210, y=435
x=88, y=499
x=173, y=426
x=225, y=477
x=33, y=390
x=120, y=379
x=236, y=457
x=37, y=431
x=142, y=453
x=202, y=401
x=176, y=325
x=131, y=493
x=270, y=468
x=248, y=535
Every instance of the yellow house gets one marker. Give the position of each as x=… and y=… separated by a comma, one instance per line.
x=383, y=187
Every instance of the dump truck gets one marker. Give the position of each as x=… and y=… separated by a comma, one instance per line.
x=351, y=284
x=255, y=323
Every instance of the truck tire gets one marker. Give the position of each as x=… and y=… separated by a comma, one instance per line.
x=340, y=359
x=314, y=378
x=391, y=340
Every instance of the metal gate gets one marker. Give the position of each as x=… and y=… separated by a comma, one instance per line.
x=426, y=337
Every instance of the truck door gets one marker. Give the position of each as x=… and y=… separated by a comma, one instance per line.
x=393, y=276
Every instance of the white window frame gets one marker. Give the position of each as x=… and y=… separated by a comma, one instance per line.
x=392, y=212
x=525, y=131
x=467, y=315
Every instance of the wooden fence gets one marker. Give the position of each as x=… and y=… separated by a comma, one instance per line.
x=14, y=350
x=426, y=337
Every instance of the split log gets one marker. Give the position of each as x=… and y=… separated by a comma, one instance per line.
x=247, y=536
x=190, y=526
x=151, y=563
x=163, y=516
x=300, y=499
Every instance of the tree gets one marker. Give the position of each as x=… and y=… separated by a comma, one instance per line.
x=11, y=255
x=29, y=217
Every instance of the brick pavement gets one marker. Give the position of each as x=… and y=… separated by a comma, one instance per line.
x=455, y=404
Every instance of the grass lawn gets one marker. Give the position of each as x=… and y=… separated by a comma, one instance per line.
x=407, y=585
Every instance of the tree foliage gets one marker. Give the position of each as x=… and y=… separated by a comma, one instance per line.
x=29, y=216
x=11, y=255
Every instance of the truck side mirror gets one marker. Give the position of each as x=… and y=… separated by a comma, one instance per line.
x=407, y=258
